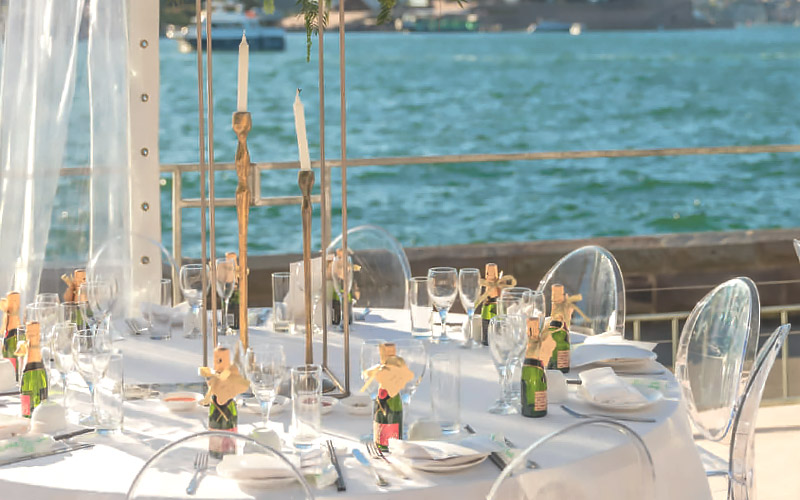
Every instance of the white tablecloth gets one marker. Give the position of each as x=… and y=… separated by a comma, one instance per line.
x=107, y=470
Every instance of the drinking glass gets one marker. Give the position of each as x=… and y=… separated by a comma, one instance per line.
x=90, y=353
x=226, y=282
x=469, y=290
x=63, y=334
x=69, y=312
x=108, y=396
x=46, y=313
x=443, y=288
x=415, y=355
x=281, y=315
x=192, y=278
x=47, y=297
x=505, y=335
x=370, y=356
x=306, y=404
x=342, y=276
x=514, y=300
x=100, y=297
x=536, y=306
x=421, y=305
x=526, y=302
x=265, y=367
x=446, y=390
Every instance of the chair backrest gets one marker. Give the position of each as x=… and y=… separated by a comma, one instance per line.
x=797, y=247
x=742, y=458
x=594, y=273
x=589, y=459
x=716, y=353
x=248, y=467
x=382, y=280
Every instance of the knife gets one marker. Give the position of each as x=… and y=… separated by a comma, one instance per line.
x=46, y=454
x=493, y=456
x=68, y=435
x=340, y=486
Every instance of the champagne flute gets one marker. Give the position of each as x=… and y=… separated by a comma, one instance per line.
x=469, y=290
x=505, y=333
x=515, y=300
x=63, y=333
x=342, y=271
x=265, y=369
x=226, y=282
x=100, y=297
x=191, y=281
x=370, y=356
x=443, y=288
x=46, y=314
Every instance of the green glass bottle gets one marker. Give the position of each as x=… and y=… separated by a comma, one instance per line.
x=223, y=417
x=557, y=329
x=387, y=421
x=10, y=329
x=33, y=388
x=533, y=386
x=489, y=309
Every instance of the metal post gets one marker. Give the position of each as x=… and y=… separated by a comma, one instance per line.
x=203, y=175
x=212, y=206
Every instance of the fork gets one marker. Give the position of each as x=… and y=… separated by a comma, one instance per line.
x=611, y=417
x=376, y=452
x=200, y=465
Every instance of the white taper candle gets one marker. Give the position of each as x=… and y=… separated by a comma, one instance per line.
x=244, y=61
x=300, y=129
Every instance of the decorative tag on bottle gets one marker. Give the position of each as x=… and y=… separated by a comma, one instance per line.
x=391, y=375
x=493, y=283
x=224, y=381
x=542, y=343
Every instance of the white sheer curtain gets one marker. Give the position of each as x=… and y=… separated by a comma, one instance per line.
x=36, y=89
x=107, y=64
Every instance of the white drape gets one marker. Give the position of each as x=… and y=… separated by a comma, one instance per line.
x=36, y=88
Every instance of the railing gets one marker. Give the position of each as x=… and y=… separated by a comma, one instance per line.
x=179, y=203
x=674, y=318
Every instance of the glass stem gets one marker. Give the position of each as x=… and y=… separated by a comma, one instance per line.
x=443, y=315
x=502, y=398
x=225, y=317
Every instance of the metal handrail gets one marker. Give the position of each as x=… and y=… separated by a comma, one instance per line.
x=782, y=311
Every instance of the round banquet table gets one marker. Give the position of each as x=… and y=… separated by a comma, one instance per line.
x=106, y=471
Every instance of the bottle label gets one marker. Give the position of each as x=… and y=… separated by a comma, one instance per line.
x=563, y=359
x=382, y=433
x=540, y=401
x=25, y=403
x=219, y=445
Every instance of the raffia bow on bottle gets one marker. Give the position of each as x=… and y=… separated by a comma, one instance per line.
x=492, y=286
x=572, y=307
x=392, y=375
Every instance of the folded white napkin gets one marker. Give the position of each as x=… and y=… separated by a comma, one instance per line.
x=28, y=444
x=11, y=426
x=266, y=466
x=616, y=338
x=469, y=449
x=585, y=354
x=602, y=385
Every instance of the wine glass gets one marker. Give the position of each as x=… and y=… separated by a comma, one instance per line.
x=192, y=277
x=342, y=276
x=469, y=290
x=442, y=287
x=505, y=334
x=515, y=300
x=226, y=282
x=46, y=314
x=91, y=351
x=97, y=300
x=63, y=333
x=265, y=368
x=47, y=297
x=415, y=355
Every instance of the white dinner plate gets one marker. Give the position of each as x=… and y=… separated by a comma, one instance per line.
x=256, y=483
x=439, y=466
x=651, y=396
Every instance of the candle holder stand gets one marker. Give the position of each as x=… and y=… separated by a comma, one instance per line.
x=242, y=124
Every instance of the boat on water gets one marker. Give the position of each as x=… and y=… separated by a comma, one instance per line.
x=543, y=26
x=229, y=21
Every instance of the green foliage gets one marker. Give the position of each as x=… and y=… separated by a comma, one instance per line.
x=269, y=7
x=309, y=9
x=385, y=13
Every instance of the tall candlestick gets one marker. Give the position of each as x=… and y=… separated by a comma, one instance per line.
x=244, y=57
x=300, y=129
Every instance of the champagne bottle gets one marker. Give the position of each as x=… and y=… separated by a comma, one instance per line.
x=233, y=303
x=33, y=387
x=222, y=415
x=387, y=421
x=489, y=309
x=558, y=330
x=533, y=386
x=10, y=329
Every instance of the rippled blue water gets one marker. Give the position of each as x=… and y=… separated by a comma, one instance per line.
x=511, y=92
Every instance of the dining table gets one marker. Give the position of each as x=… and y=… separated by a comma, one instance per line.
x=106, y=470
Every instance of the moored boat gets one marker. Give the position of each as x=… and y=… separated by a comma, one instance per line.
x=229, y=21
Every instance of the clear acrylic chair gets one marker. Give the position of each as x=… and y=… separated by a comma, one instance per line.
x=594, y=273
x=716, y=353
x=741, y=459
x=382, y=280
x=796, y=243
x=578, y=462
x=251, y=470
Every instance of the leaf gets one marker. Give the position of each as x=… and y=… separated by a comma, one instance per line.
x=309, y=10
x=269, y=6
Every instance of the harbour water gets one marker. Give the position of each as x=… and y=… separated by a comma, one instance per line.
x=431, y=94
